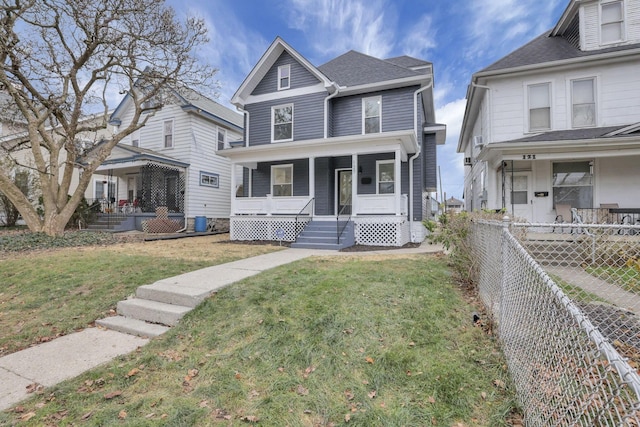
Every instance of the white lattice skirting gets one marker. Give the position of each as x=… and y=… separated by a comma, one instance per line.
x=267, y=228
x=369, y=231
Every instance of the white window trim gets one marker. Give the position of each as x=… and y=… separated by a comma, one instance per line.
x=383, y=162
x=623, y=23
x=596, y=97
x=210, y=175
x=273, y=124
x=164, y=134
x=379, y=98
x=280, y=69
x=283, y=166
x=527, y=125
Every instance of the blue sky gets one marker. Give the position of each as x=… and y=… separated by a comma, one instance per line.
x=459, y=37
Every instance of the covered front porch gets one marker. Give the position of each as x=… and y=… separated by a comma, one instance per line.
x=130, y=186
x=364, y=179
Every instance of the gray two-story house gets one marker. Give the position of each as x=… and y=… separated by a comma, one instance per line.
x=348, y=147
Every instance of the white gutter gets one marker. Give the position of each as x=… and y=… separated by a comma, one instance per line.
x=326, y=108
x=415, y=156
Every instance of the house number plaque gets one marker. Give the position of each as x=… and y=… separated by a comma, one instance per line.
x=528, y=157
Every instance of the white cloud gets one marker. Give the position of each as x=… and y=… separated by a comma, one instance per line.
x=334, y=26
x=420, y=38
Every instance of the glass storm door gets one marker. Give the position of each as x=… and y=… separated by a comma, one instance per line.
x=344, y=192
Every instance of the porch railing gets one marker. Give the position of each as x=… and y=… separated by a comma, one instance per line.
x=339, y=230
x=621, y=216
x=302, y=212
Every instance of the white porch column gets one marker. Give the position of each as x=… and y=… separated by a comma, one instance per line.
x=354, y=184
x=397, y=180
x=233, y=189
x=312, y=181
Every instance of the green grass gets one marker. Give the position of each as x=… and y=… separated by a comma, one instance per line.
x=320, y=342
x=626, y=277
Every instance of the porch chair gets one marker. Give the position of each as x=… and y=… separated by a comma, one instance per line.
x=563, y=215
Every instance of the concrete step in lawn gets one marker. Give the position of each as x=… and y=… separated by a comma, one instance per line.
x=152, y=311
x=132, y=326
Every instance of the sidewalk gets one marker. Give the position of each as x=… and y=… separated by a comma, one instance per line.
x=66, y=357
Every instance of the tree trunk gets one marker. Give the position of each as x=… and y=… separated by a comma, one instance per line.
x=54, y=225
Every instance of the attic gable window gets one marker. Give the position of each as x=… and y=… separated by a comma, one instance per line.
x=222, y=138
x=168, y=133
x=284, y=77
x=611, y=22
x=282, y=123
x=539, y=106
x=371, y=114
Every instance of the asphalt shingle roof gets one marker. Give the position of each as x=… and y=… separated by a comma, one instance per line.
x=355, y=68
x=544, y=49
x=571, y=134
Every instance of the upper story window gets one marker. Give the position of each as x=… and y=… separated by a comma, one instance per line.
x=583, y=103
x=282, y=123
x=372, y=114
x=385, y=173
x=611, y=22
x=282, y=180
x=284, y=77
x=222, y=139
x=539, y=106
x=168, y=133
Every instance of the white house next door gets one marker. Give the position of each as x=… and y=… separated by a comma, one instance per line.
x=518, y=194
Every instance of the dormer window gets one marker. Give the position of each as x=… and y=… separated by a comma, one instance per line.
x=284, y=77
x=612, y=22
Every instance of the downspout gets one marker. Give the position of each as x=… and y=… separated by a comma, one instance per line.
x=415, y=156
x=326, y=108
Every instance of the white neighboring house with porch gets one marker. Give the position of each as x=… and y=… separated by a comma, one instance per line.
x=555, y=124
x=346, y=149
x=172, y=161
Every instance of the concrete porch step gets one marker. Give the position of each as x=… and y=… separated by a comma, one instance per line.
x=132, y=326
x=174, y=294
x=152, y=311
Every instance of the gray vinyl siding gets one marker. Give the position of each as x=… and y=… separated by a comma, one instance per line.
x=428, y=157
x=262, y=177
x=308, y=118
x=300, y=76
x=325, y=182
x=397, y=111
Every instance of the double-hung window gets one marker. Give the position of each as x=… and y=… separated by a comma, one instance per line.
x=583, y=103
x=284, y=77
x=168, y=133
x=612, y=22
x=372, y=114
x=222, y=138
x=539, y=106
x=385, y=172
x=282, y=180
x=282, y=123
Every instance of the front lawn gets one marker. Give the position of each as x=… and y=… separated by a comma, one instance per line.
x=356, y=341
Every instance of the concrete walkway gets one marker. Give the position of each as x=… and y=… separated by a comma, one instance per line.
x=66, y=357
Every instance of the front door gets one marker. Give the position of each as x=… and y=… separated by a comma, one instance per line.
x=344, y=191
x=519, y=198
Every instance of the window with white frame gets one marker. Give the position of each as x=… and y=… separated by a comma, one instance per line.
x=222, y=139
x=372, y=114
x=611, y=22
x=208, y=179
x=583, y=102
x=168, y=133
x=539, y=99
x=282, y=180
x=385, y=173
x=282, y=123
x=284, y=77
x=573, y=184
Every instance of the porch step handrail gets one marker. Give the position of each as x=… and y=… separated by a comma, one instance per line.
x=338, y=230
x=310, y=202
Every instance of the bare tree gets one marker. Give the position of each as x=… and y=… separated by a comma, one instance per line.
x=59, y=59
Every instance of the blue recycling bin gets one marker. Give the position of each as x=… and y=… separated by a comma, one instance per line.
x=201, y=224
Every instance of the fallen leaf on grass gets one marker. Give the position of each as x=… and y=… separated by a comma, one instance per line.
x=86, y=416
x=27, y=416
x=369, y=359
x=431, y=399
x=499, y=384
x=113, y=394
x=122, y=414
x=18, y=409
x=34, y=387
x=372, y=394
x=308, y=371
x=347, y=418
x=250, y=419
x=301, y=390
x=133, y=372
x=348, y=394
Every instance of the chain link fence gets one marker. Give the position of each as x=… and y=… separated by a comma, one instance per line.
x=565, y=300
